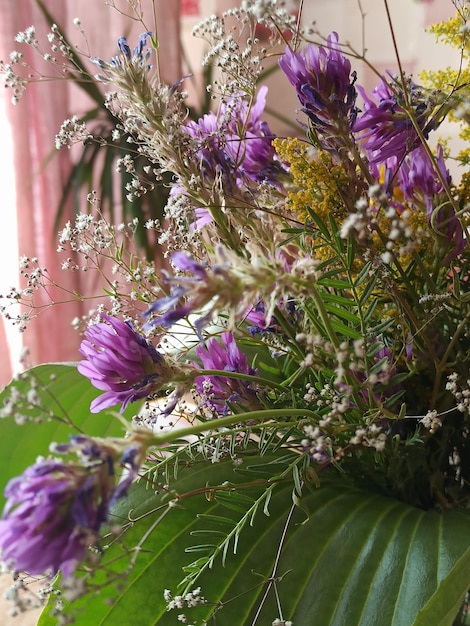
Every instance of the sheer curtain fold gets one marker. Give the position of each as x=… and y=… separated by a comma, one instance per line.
x=40, y=172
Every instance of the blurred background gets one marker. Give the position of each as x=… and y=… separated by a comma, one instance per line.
x=34, y=175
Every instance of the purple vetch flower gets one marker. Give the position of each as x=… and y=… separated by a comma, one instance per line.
x=138, y=58
x=207, y=288
x=122, y=363
x=324, y=84
x=171, y=307
x=385, y=128
x=56, y=508
x=218, y=392
x=256, y=319
x=231, y=285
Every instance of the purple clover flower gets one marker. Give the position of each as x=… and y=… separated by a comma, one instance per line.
x=235, y=146
x=218, y=392
x=385, y=128
x=55, y=509
x=324, y=84
x=46, y=525
x=418, y=179
x=122, y=363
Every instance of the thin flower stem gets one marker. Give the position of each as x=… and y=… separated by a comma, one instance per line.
x=226, y=374
x=147, y=534
x=272, y=578
x=416, y=126
x=441, y=367
x=418, y=327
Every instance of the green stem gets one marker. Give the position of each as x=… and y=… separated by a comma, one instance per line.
x=225, y=422
x=441, y=367
x=325, y=318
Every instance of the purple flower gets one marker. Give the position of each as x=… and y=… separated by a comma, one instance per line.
x=259, y=325
x=203, y=217
x=185, y=263
x=218, y=392
x=55, y=509
x=420, y=184
x=122, y=363
x=171, y=307
x=235, y=146
x=418, y=179
x=138, y=57
x=190, y=294
x=385, y=128
x=324, y=84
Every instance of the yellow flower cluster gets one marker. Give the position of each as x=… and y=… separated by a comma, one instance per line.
x=318, y=183
x=454, y=83
x=453, y=32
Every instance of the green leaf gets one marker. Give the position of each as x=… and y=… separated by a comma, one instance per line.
x=359, y=559
x=320, y=224
x=367, y=291
x=61, y=409
x=342, y=313
x=347, y=331
x=445, y=603
x=334, y=283
x=337, y=299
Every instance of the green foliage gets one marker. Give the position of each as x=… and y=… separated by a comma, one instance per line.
x=333, y=561
x=260, y=538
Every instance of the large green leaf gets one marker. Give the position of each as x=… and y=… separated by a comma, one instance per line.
x=449, y=596
x=358, y=558
x=67, y=395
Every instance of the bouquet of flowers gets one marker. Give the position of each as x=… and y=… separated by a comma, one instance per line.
x=281, y=431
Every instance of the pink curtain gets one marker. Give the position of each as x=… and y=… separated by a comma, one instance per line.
x=34, y=123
